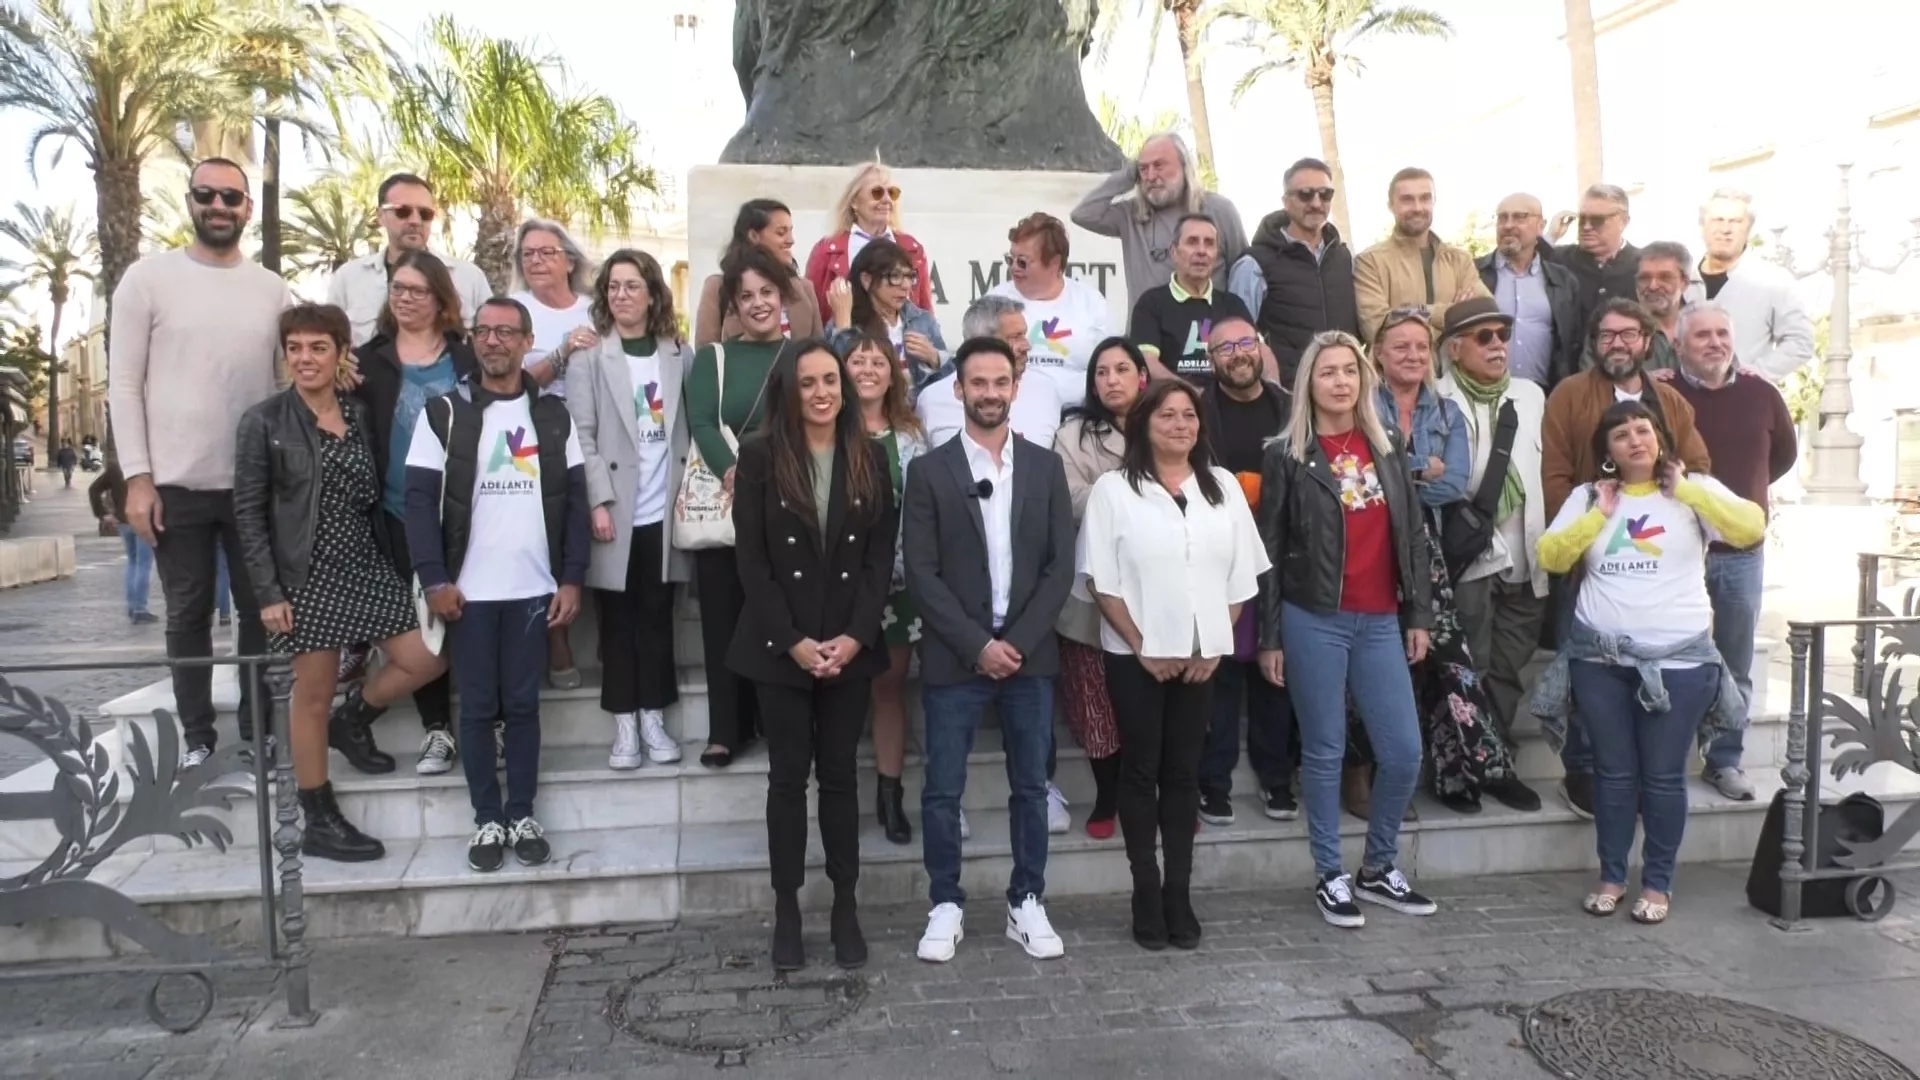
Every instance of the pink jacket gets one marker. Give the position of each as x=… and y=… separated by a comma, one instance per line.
x=829, y=261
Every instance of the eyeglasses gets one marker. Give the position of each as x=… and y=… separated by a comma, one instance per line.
x=403, y=212
x=1594, y=221
x=1487, y=334
x=497, y=333
x=902, y=277
x=1311, y=195
x=626, y=288
x=399, y=291
x=1019, y=262
x=1624, y=337
x=540, y=254
x=231, y=198
x=883, y=191
x=1242, y=347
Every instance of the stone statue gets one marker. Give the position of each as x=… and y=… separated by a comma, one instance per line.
x=982, y=84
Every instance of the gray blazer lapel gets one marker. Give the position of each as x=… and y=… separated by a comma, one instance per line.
x=613, y=368
x=673, y=369
x=956, y=454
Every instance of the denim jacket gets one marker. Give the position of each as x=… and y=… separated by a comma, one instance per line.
x=1553, y=696
x=1439, y=431
x=913, y=320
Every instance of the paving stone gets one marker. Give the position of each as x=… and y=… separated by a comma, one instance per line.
x=1387, y=1004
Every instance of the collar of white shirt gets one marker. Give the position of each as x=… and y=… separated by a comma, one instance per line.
x=980, y=459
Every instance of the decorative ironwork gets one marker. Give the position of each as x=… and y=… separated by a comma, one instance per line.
x=1624, y=1034
x=95, y=815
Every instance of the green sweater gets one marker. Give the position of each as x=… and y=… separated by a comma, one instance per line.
x=707, y=407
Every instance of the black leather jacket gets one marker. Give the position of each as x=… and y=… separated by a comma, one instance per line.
x=1304, y=528
x=276, y=491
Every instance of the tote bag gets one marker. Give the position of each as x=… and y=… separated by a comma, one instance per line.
x=703, y=510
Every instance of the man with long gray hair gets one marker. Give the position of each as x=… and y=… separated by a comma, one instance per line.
x=1143, y=203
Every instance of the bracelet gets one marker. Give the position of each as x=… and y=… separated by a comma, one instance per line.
x=431, y=589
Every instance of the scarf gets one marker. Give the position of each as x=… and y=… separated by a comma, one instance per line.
x=1488, y=396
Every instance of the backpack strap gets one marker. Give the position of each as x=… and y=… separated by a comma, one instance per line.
x=1486, y=498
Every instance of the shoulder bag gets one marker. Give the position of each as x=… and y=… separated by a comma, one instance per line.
x=703, y=510
x=1466, y=527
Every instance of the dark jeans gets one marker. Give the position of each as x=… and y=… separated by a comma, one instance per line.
x=1270, y=733
x=1735, y=580
x=500, y=653
x=196, y=525
x=1024, y=704
x=636, y=631
x=434, y=700
x=733, y=709
x=1162, y=730
x=817, y=729
x=1577, y=755
x=1640, y=763
x=1502, y=623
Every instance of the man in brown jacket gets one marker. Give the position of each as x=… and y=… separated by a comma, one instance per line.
x=1620, y=338
x=1412, y=268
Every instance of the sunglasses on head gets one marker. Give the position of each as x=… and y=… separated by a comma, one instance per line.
x=405, y=213
x=883, y=191
x=1312, y=195
x=230, y=198
x=1485, y=335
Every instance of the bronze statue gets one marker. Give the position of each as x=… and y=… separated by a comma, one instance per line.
x=981, y=84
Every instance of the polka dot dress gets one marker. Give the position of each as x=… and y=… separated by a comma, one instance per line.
x=352, y=593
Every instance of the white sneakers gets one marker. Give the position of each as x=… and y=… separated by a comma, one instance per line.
x=1058, y=820
x=1026, y=925
x=631, y=730
x=436, y=753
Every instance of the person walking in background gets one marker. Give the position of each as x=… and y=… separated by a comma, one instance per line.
x=66, y=459
x=108, y=497
x=626, y=405
x=1170, y=554
x=1345, y=611
x=815, y=523
x=725, y=390
x=875, y=298
x=309, y=524
x=1297, y=276
x=1065, y=316
x=406, y=214
x=1091, y=442
x=1774, y=337
x=1411, y=267
x=1143, y=203
x=868, y=210
x=1639, y=660
x=765, y=224
x=879, y=394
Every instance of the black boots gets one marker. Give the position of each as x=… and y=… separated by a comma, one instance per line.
x=1183, y=926
x=350, y=731
x=329, y=834
x=1106, y=788
x=788, y=953
x=1149, y=914
x=887, y=807
x=849, y=945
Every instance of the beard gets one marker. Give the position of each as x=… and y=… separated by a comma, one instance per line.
x=1414, y=226
x=1619, y=364
x=218, y=234
x=1239, y=375
x=989, y=414
x=1161, y=197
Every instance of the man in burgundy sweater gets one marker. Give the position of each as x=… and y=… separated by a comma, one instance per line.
x=1750, y=437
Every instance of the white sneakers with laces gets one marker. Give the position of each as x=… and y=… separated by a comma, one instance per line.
x=944, y=930
x=1028, y=926
x=626, y=742
x=1058, y=820
x=194, y=757
x=661, y=747
x=436, y=753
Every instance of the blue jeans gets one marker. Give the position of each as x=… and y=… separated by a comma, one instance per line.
x=1735, y=580
x=1640, y=761
x=1577, y=755
x=1269, y=729
x=1025, y=707
x=1328, y=657
x=222, y=586
x=499, y=654
x=139, y=569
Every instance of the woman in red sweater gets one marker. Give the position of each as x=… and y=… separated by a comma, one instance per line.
x=869, y=209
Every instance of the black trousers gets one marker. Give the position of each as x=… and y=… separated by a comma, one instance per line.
x=636, y=630
x=194, y=525
x=733, y=711
x=1163, y=729
x=818, y=729
x=434, y=700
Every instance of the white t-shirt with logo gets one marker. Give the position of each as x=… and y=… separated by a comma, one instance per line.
x=650, y=416
x=1062, y=332
x=507, y=556
x=550, y=329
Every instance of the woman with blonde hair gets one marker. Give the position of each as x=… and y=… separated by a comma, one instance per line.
x=869, y=209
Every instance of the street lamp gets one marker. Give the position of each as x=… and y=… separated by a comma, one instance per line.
x=1836, y=448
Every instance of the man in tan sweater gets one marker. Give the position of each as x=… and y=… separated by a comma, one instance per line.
x=195, y=334
x=1412, y=268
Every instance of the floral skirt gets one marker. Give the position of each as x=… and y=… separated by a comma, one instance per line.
x=900, y=620
x=1083, y=690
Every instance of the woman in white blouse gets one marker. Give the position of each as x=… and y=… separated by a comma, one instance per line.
x=1170, y=553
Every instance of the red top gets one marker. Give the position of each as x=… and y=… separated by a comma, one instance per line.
x=1366, y=578
x=829, y=261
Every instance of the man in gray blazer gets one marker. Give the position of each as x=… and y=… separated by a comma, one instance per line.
x=988, y=535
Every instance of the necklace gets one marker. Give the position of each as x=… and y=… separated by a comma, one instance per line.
x=1346, y=442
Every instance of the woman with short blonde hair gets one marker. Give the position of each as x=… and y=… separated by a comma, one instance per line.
x=869, y=209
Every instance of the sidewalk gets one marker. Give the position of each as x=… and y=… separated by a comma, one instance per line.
x=1272, y=992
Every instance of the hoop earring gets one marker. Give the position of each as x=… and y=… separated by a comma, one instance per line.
x=1608, y=467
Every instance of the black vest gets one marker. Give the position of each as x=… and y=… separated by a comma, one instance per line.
x=552, y=425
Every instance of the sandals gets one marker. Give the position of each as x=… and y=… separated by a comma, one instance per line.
x=717, y=757
x=1648, y=913
x=1601, y=905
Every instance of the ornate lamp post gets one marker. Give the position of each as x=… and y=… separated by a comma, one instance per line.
x=1836, y=448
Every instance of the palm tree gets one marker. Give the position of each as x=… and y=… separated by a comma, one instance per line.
x=1317, y=37
x=496, y=130
x=1130, y=132
x=59, y=249
x=1586, y=92
x=327, y=226
x=164, y=225
x=1190, y=21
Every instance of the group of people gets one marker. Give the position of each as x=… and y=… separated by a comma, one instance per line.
x=1348, y=496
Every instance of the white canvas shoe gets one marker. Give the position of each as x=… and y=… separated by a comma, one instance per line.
x=661, y=749
x=626, y=742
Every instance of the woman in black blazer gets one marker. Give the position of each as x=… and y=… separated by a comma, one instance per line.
x=814, y=522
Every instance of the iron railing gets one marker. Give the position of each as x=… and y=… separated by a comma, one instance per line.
x=1867, y=605
x=95, y=816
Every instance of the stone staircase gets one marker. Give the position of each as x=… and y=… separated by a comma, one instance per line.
x=661, y=842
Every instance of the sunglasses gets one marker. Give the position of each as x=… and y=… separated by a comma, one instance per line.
x=1312, y=195
x=1486, y=335
x=405, y=213
x=230, y=198
x=1018, y=262
x=1594, y=221
x=881, y=191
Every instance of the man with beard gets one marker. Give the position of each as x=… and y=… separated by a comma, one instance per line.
x=1243, y=411
x=1750, y=435
x=1171, y=323
x=1774, y=336
x=195, y=335
x=988, y=534
x=1297, y=277
x=1661, y=285
x=1622, y=333
x=1539, y=295
x=1143, y=205
x=1035, y=413
x=406, y=213
x=1412, y=267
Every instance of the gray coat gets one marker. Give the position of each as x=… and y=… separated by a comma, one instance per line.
x=600, y=396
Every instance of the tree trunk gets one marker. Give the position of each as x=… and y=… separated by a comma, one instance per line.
x=1322, y=89
x=1586, y=93
x=53, y=381
x=270, y=197
x=116, y=186
x=493, y=241
x=1186, y=22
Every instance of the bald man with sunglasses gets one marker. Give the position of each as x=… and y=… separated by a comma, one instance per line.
x=407, y=215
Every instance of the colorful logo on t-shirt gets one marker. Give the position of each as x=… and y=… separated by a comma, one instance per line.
x=1197, y=336
x=1634, y=533
x=516, y=449
x=1359, y=484
x=1048, y=334
x=646, y=402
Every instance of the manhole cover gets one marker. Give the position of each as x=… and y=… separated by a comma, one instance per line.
x=732, y=1001
x=1623, y=1034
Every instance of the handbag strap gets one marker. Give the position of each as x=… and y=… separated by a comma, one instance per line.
x=1487, y=497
